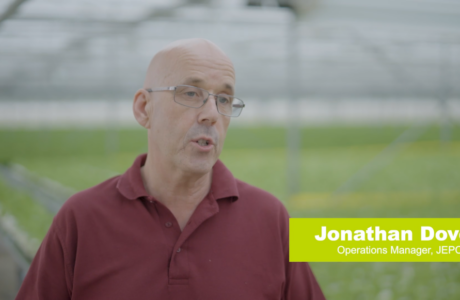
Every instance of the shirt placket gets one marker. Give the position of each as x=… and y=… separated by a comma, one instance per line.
x=176, y=240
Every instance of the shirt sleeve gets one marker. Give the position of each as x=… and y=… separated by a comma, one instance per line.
x=300, y=282
x=46, y=278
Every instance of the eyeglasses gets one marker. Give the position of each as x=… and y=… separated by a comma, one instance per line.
x=195, y=97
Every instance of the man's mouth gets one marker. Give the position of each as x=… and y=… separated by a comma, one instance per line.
x=203, y=142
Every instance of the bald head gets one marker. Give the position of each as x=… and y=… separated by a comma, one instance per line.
x=185, y=58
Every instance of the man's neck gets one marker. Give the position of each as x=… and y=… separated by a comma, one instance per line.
x=177, y=190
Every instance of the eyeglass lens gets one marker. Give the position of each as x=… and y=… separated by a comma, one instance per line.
x=194, y=97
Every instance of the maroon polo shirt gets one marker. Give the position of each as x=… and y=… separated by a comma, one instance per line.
x=114, y=241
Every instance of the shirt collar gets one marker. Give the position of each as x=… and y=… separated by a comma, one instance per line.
x=223, y=183
x=131, y=186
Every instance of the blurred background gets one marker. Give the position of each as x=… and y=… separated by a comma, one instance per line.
x=352, y=110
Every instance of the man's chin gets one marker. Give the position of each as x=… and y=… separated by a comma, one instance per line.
x=200, y=166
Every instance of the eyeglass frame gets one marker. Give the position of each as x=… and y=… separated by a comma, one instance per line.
x=173, y=88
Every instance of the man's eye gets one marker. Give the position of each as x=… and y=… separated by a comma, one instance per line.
x=191, y=94
x=224, y=100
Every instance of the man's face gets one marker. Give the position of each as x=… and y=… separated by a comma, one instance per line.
x=179, y=134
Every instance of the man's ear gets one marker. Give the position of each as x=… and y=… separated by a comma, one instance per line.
x=140, y=111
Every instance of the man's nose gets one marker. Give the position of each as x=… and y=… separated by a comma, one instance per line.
x=209, y=113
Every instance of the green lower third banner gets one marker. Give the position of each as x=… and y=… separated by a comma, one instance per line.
x=374, y=240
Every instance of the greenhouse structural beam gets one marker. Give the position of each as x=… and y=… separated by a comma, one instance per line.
x=11, y=10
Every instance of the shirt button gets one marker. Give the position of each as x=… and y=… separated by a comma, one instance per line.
x=168, y=224
x=178, y=249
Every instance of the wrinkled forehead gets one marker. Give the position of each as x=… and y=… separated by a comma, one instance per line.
x=201, y=67
x=199, y=62
x=204, y=65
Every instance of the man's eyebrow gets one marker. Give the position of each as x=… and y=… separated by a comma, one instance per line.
x=198, y=81
x=229, y=87
x=193, y=81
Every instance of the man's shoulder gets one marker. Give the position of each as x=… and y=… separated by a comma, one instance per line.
x=265, y=212
x=91, y=198
x=259, y=198
x=246, y=189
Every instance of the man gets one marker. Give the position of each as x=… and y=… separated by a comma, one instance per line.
x=177, y=224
